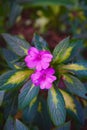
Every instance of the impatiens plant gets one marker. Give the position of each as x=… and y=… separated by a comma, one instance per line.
x=43, y=75
x=42, y=89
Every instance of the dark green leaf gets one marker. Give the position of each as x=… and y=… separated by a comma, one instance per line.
x=13, y=79
x=85, y=112
x=19, y=65
x=56, y=106
x=29, y=112
x=27, y=94
x=73, y=107
x=39, y=42
x=79, y=69
x=65, y=126
x=10, y=102
x=81, y=73
x=14, y=13
x=10, y=57
x=1, y=96
x=42, y=118
x=19, y=46
x=61, y=45
x=45, y=114
x=67, y=50
x=75, y=86
x=10, y=124
x=62, y=51
x=75, y=67
x=20, y=126
x=80, y=113
x=77, y=47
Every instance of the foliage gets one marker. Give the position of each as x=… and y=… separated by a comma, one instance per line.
x=26, y=106
x=60, y=15
x=7, y=19
x=23, y=105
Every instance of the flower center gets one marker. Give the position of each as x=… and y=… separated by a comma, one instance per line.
x=38, y=57
x=43, y=76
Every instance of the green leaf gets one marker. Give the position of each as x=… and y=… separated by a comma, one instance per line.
x=67, y=50
x=19, y=65
x=10, y=124
x=81, y=74
x=42, y=118
x=1, y=96
x=30, y=111
x=20, y=126
x=27, y=94
x=62, y=51
x=77, y=47
x=10, y=57
x=19, y=46
x=74, y=67
x=75, y=86
x=82, y=71
x=39, y=42
x=14, y=13
x=48, y=2
x=56, y=106
x=65, y=126
x=79, y=69
x=13, y=79
x=45, y=118
x=10, y=103
x=73, y=107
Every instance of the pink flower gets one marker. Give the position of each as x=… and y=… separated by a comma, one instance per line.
x=38, y=59
x=43, y=78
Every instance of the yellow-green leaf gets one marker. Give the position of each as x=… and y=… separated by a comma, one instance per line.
x=75, y=86
x=27, y=94
x=75, y=67
x=65, y=55
x=33, y=101
x=69, y=101
x=73, y=107
x=56, y=106
x=14, y=78
x=60, y=50
x=16, y=44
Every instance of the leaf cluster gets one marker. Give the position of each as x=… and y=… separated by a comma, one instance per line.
x=25, y=106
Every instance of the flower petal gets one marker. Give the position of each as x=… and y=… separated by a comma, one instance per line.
x=44, y=64
x=45, y=85
x=47, y=57
x=50, y=71
x=31, y=64
x=35, y=78
x=48, y=86
x=51, y=78
x=28, y=58
x=33, y=51
x=38, y=66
